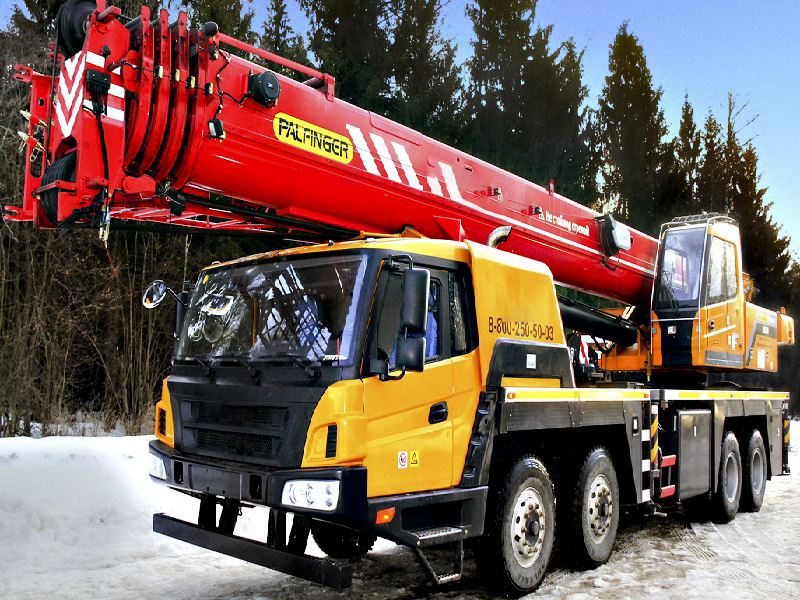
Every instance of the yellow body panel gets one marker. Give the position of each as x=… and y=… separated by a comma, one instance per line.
x=514, y=298
x=342, y=405
x=785, y=329
x=165, y=406
x=761, y=325
x=397, y=426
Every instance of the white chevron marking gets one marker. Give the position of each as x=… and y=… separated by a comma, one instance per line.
x=408, y=168
x=435, y=186
x=363, y=150
x=386, y=158
x=69, y=94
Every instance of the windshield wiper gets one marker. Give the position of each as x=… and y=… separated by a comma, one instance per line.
x=207, y=366
x=301, y=361
x=255, y=374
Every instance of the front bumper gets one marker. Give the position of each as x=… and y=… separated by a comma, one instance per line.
x=258, y=485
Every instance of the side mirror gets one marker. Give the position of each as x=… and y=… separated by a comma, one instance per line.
x=414, y=310
x=154, y=294
x=410, y=353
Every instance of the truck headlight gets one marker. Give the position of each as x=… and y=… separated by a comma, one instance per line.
x=157, y=468
x=313, y=494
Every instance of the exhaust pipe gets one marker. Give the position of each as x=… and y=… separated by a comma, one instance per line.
x=498, y=236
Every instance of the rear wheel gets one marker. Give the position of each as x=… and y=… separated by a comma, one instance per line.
x=725, y=501
x=338, y=541
x=592, y=502
x=754, y=474
x=520, y=530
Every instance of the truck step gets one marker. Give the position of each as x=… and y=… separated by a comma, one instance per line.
x=457, y=558
x=668, y=461
x=438, y=535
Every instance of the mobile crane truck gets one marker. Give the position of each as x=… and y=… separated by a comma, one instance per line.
x=410, y=383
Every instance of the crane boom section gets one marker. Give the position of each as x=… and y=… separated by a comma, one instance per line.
x=182, y=119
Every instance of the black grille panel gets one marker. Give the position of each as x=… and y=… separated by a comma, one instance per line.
x=248, y=416
x=237, y=444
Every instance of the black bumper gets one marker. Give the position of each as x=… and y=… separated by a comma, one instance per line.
x=338, y=575
x=263, y=486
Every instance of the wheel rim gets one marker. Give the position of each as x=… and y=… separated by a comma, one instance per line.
x=731, y=477
x=599, y=508
x=757, y=471
x=528, y=527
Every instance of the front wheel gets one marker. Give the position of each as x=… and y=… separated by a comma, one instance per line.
x=593, y=505
x=754, y=474
x=520, y=530
x=725, y=501
x=338, y=541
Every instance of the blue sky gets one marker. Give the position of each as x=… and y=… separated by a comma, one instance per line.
x=704, y=48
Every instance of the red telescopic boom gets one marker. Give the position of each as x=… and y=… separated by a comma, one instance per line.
x=152, y=120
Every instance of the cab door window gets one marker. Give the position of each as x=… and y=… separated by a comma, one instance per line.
x=722, y=281
x=386, y=318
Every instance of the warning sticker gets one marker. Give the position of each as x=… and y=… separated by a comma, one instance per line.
x=413, y=459
x=402, y=460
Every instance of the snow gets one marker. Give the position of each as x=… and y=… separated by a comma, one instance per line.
x=76, y=522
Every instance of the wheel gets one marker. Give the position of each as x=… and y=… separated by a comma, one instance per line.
x=725, y=501
x=62, y=169
x=520, y=529
x=338, y=541
x=592, y=517
x=754, y=474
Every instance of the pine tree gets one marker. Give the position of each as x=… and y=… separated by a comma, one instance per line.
x=279, y=37
x=633, y=127
x=500, y=51
x=230, y=15
x=688, y=151
x=427, y=88
x=711, y=178
x=350, y=40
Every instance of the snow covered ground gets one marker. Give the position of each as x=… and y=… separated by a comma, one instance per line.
x=76, y=517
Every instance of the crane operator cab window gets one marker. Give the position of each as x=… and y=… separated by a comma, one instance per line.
x=681, y=269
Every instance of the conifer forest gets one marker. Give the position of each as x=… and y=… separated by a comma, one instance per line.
x=75, y=337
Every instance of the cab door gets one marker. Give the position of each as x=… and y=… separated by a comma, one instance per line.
x=409, y=425
x=722, y=318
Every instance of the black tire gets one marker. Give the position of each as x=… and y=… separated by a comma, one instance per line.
x=520, y=529
x=754, y=474
x=62, y=169
x=338, y=541
x=591, y=511
x=725, y=501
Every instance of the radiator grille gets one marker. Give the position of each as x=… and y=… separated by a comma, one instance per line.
x=250, y=416
x=236, y=444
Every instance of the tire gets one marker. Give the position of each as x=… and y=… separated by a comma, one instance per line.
x=592, y=512
x=725, y=501
x=754, y=474
x=520, y=529
x=62, y=169
x=338, y=541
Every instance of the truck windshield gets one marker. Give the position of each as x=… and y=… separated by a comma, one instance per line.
x=681, y=268
x=303, y=308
